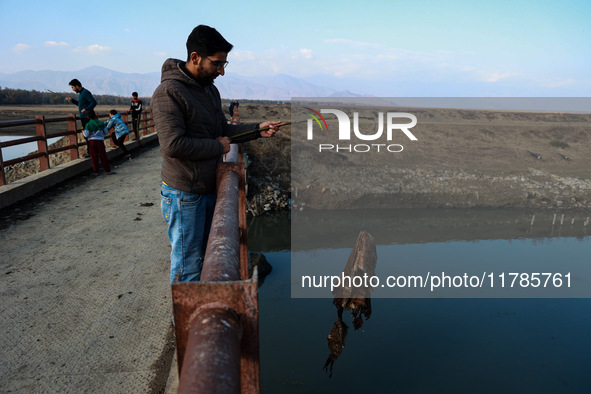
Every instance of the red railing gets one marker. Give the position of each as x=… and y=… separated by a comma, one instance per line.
x=217, y=319
x=42, y=136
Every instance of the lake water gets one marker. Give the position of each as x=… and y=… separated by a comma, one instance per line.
x=13, y=152
x=413, y=345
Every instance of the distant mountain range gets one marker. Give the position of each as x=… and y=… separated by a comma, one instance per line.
x=100, y=80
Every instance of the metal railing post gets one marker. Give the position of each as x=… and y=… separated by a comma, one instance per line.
x=124, y=119
x=2, y=174
x=73, y=137
x=144, y=117
x=40, y=131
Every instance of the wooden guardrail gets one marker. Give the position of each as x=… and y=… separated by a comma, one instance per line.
x=41, y=136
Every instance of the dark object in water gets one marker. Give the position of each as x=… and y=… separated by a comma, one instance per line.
x=565, y=157
x=535, y=155
x=362, y=261
x=336, y=344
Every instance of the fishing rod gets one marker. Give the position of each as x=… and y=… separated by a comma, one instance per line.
x=239, y=137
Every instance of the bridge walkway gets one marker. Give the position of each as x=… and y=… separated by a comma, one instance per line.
x=84, y=284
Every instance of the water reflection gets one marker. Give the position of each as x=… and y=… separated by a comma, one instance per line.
x=270, y=232
x=430, y=345
x=351, y=296
x=331, y=229
x=447, y=253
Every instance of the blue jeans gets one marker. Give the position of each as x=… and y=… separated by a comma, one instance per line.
x=189, y=217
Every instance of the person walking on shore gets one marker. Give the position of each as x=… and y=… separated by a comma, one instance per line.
x=193, y=134
x=121, y=131
x=95, y=131
x=136, y=113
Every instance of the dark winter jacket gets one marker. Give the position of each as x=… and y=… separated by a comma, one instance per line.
x=85, y=101
x=188, y=119
x=136, y=108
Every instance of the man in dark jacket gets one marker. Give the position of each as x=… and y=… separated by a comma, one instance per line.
x=193, y=134
x=85, y=100
x=85, y=103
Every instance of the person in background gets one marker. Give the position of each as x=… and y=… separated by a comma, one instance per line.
x=95, y=132
x=120, y=133
x=194, y=134
x=85, y=103
x=136, y=113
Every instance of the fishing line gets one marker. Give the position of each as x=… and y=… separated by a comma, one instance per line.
x=365, y=196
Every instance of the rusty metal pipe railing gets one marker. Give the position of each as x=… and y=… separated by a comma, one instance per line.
x=189, y=301
x=216, y=319
x=222, y=273
x=213, y=365
x=222, y=257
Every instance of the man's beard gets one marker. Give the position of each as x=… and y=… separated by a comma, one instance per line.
x=205, y=80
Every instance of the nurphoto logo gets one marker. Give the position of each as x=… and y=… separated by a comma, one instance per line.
x=391, y=125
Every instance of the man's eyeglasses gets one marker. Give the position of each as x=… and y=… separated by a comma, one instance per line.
x=218, y=63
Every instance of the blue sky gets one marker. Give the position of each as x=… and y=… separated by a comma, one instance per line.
x=384, y=48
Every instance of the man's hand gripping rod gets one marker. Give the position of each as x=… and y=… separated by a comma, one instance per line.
x=240, y=137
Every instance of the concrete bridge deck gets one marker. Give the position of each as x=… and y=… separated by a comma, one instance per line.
x=84, y=285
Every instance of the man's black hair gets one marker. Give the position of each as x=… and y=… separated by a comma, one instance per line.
x=113, y=112
x=91, y=114
x=206, y=41
x=134, y=94
x=75, y=82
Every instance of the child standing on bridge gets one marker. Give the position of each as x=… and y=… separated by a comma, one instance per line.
x=120, y=133
x=95, y=131
x=136, y=113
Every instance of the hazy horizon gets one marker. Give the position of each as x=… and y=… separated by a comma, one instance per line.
x=383, y=48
